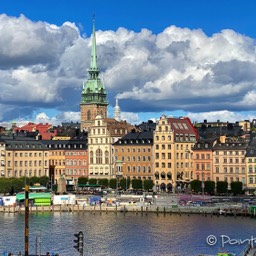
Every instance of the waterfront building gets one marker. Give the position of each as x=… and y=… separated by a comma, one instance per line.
x=134, y=155
x=25, y=157
x=229, y=161
x=67, y=158
x=102, y=135
x=2, y=157
x=94, y=96
x=174, y=139
x=203, y=159
x=250, y=161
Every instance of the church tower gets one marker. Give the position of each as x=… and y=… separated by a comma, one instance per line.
x=117, y=112
x=94, y=96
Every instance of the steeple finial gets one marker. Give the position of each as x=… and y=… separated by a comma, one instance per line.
x=93, y=66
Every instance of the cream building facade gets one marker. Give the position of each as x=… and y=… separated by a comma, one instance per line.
x=102, y=135
x=229, y=162
x=26, y=158
x=174, y=139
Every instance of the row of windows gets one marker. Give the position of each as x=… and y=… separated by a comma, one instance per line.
x=26, y=154
x=231, y=179
x=203, y=156
x=68, y=153
x=217, y=152
x=75, y=162
x=75, y=172
x=169, y=137
x=138, y=169
x=178, y=165
x=230, y=170
x=134, y=150
x=134, y=158
x=230, y=160
x=27, y=163
x=203, y=167
x=30, y=173
x=65, y=146
x=102, y=140
x=164, y=146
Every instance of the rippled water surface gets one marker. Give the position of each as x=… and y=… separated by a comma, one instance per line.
x=129, y=234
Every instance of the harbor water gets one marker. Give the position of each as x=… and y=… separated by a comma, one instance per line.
x=126, y=234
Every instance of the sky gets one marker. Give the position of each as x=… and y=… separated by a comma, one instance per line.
x=192, y=58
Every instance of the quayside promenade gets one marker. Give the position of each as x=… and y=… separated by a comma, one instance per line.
x=224, y=210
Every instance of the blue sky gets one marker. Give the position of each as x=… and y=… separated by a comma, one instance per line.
x=172, y=57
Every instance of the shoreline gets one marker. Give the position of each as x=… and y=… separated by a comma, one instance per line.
x=132, y=209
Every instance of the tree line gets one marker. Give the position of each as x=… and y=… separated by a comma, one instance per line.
x=219, y=188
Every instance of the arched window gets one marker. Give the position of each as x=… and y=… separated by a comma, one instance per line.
x=106, y=157
x=169, y=175
x=91, y=157
x=88, y=115
x=98, y=156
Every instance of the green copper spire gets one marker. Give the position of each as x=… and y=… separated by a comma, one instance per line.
x=93, y=66
x=93, y=90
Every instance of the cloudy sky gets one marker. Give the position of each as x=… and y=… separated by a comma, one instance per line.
x=191, y=58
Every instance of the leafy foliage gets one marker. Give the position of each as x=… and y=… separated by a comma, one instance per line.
x=112, y=183
x=82, y=180
x=196, y=186
x=148, y=184
x=222, y=187
x=209, y=186
x=103, y=182
x=137, y=184
x=236, y=187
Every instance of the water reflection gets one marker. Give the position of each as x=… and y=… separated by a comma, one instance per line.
x=129, y=234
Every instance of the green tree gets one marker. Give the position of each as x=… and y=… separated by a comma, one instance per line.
x=148, y=184
x=209, y=186
x=5, y=185
x=112, y=183
x=82, y=180
x=92, y=181
x=103, y=182
x=236, y=187
x=222, y=187
x=44, y=181
x=17, y=184
x=137, y=184
x=196, y=186
x=33, y=180
x=124, y=183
